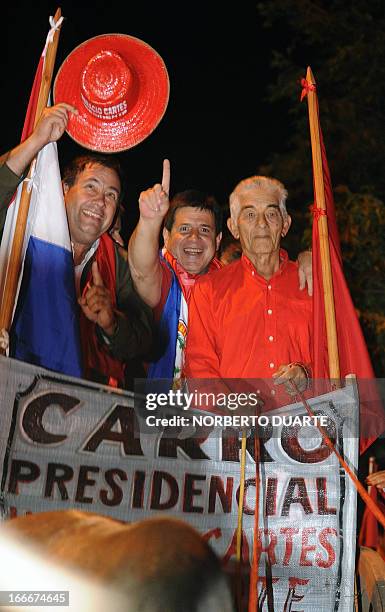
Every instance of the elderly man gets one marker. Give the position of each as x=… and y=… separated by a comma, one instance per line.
x=250, y=319
x=192, y=235
x=115, y=324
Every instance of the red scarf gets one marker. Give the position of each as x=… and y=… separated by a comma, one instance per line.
x=187, y=280
x=97, y=360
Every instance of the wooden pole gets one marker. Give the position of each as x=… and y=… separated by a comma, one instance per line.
x=14, y=265
x=241, y=497
x=371, y=469
x=240, y=521
x=327, y=280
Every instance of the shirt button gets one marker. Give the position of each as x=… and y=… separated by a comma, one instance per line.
x=269, y=287
x=252, y=274
x=271, y=338
x=273, y=392
x=271, y=365
x=269, y=312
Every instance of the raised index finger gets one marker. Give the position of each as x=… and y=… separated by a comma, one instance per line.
x=166, y=176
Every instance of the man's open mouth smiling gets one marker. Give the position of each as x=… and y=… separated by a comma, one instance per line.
x=94, y=214
x=192, y=251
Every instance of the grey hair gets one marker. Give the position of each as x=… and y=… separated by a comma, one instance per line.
x=255, y=182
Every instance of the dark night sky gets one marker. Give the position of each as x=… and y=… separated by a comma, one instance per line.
x=217, y=128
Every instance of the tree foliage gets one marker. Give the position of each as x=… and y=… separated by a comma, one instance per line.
x=345, y=46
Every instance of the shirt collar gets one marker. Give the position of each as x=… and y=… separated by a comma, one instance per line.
x=283, y=260
x=80, y=267
x=215, y=264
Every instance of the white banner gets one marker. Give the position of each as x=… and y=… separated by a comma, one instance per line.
x=66, y=443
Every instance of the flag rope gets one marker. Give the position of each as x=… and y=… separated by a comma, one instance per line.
x=373, y=507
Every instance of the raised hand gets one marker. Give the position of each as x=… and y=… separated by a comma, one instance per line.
x=97, y=303
x=52, y=123
x=154, y=202
x=49, y=128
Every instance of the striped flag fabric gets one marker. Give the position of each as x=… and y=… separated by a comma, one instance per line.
x=45, y=327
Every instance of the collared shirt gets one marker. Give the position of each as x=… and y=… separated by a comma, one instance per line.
x=78, y=270
x=243, y=326
x=186, y=280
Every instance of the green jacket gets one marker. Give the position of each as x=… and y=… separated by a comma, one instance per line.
x=133, y=339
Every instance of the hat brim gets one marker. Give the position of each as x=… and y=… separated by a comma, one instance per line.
x=141, y=119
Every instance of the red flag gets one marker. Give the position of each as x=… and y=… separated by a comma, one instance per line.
x=369, y=527
x=353, y=354
x=33, y=100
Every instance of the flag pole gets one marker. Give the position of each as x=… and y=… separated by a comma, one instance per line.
x=13, y=271
x=327, y=280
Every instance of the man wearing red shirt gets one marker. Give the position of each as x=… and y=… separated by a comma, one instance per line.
x=192, y=234
x=250, y=319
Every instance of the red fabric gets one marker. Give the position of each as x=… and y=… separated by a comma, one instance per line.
x=120, y=86
x=186, y=280
x=306, y=87
x=369, y=527
x=96, y=358
x=242, y=326
x=32, y=104
x=31, y=110
x=353, y=354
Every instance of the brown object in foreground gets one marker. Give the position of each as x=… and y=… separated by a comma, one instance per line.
x=371, y=580
x=159, y=564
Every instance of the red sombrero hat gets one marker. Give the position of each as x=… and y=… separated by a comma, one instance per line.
x=120, y=86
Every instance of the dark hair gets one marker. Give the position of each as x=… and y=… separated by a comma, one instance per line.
x=79, y=164
x=194, y=199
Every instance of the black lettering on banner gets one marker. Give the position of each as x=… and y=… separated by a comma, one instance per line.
x=127, y=437
x=292, y=596
x=231, y=444
x=138, y=489
x=32, y=421
x=322, y=497
x=250, y=482
x=271, y=496
x=190, y=491
x=302, y=497
x=292, y=447
x=58, y=473
x=156, y=491
x=265, y=434
x=168, y=446
x=22, y=471
x=84, y=481
x=117, y=493
x=217, y=488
